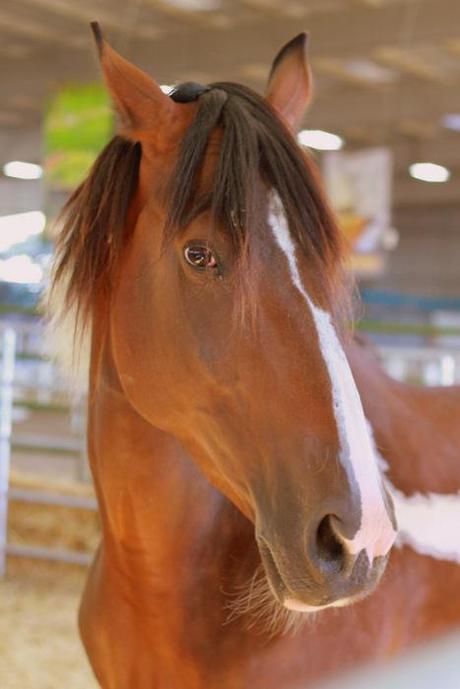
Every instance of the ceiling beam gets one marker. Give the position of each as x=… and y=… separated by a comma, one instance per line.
x=381, y=110
x=40, y=32
x=360, y=30
x=407, y=191
x=87, y=12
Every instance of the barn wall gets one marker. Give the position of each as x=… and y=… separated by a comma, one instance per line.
x=427, y=259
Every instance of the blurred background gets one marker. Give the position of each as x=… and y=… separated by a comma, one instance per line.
x=385, y=129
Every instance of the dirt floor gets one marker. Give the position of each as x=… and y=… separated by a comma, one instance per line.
x=39, y=644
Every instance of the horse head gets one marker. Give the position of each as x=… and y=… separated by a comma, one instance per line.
x=204, y=232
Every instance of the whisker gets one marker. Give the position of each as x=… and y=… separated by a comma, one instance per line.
x=262, y=613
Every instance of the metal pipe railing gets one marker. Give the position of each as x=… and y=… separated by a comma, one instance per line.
x=6, y=415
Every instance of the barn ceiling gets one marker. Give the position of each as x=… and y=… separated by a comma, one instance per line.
x=386, y=71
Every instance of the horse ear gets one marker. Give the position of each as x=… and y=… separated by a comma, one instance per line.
x=290, y=83
x=145, y=112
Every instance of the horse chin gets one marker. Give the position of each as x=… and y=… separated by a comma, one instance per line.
x=311, y=600
x=297, y=605
x=271, y=606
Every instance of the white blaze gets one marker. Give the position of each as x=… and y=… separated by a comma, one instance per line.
x=375, y=534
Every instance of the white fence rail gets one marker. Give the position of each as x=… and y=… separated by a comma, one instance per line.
x=28, y=378
x=6, y=411
x=423, y=365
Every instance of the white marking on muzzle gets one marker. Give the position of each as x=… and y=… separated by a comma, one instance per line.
x=375, y=534
x=298, y=606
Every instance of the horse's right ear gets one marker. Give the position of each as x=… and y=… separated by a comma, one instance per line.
x=145, y=112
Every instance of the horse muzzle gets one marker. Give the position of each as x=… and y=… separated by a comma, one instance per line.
x=320, y=573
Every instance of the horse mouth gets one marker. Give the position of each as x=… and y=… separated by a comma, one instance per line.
x=274, y=578
x=313, y=595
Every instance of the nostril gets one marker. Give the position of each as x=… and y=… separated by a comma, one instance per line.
x=330, y=550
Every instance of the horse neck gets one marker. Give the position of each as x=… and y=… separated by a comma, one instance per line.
x=415, y=428
x=158, y=511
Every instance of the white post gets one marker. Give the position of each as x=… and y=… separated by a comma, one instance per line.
x=6, y=413
x=447, y=369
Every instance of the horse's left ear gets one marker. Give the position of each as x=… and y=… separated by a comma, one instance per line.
x=145, y=112
x=290, y=84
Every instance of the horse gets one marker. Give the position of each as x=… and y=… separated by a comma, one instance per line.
x=248, y=456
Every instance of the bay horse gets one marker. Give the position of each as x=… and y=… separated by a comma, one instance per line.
x=240, y=488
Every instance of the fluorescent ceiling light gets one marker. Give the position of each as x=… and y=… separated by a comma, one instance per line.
x=322, y=141
x=21, y=270
x=16, y=228
x=451, y=121
x=21, y=170
x=370, y=71
x=429, y=172
x=194, y=5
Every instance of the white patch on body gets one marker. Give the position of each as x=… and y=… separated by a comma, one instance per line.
x=427, y=523
x=375, y=534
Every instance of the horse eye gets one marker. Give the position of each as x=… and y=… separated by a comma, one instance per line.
x=201, y=257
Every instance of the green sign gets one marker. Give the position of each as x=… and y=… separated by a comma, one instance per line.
x=78, y=124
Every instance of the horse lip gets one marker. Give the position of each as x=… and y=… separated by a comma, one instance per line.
x=274, y=578
x=277, y=585
x=360, y=590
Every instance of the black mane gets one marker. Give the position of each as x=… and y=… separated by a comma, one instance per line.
x=255, y=145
